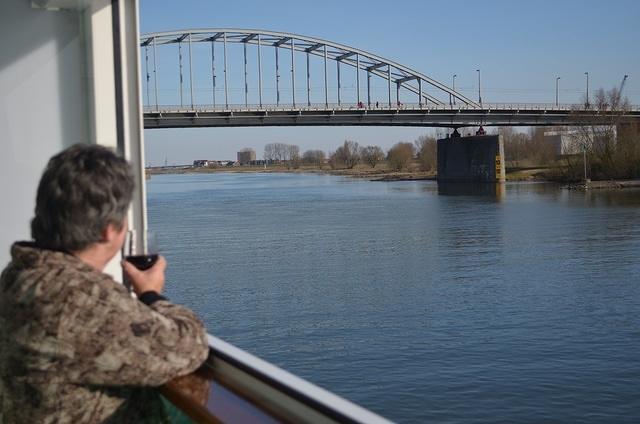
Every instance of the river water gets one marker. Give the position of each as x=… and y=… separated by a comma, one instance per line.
x=453, y=304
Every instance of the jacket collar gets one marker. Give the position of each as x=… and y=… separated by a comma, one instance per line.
x=25, y=254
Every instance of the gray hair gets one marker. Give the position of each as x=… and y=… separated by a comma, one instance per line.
x=82, y=190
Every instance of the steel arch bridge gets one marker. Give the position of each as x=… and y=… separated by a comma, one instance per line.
x=436, y=104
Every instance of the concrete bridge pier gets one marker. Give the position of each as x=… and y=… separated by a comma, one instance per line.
x=477, y=158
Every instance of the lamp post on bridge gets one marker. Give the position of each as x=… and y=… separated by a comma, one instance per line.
x=557, y=84
x=479, y=89
x=587, y=102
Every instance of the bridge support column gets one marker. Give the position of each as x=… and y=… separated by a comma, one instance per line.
x=389, y=82
x=226, y=83
x=308, y=83
x=471, y=159
x=213, y=71
x=190, y=73
x=155, y=72
x=277, y=79
x=358, y=77
x=259, y=72
x=180, y=71
x=338, y=75
x=326, y=84
x=146, y=71
x=368, y=89
x=246, y=84
x=293, y=72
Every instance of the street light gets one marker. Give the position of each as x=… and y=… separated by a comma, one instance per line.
x=454, y=87
x=479, y=92
x=587, y=74
x=557, y=82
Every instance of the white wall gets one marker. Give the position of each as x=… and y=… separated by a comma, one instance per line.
x=42, y=105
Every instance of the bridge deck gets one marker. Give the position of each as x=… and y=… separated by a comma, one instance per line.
x=383, y=115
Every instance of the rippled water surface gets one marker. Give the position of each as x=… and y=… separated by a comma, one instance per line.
x=423, y=303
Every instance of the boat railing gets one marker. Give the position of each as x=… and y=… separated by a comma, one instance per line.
x=234, y=386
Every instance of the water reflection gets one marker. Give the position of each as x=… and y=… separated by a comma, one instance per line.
x=495, y=191
x=627, y=197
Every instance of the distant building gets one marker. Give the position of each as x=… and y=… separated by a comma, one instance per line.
x=561, y=142
x=200, y=163
x=203, y=163
x=260, y=162
x=246, y=156
x=570, y=142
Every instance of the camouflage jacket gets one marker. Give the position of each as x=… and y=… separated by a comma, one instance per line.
x=75, y=347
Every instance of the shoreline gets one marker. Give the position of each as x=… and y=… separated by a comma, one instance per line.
x=604, y=185
x=368, y=173
x=385, y=175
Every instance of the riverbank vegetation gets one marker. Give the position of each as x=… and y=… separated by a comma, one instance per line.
x=611, y=145
x=605, y=149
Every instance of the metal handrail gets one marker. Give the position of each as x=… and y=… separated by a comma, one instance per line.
x=301, y=400
x=232, y=379
x=566, y=107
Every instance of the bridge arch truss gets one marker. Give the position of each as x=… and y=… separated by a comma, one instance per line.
x=428, y=90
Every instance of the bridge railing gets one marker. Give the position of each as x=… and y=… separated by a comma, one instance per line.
x=364, y=107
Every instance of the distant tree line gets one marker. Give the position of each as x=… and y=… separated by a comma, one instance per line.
x=527, y=149
x=313, y=157
x=281, y=152
x=611, y=146
x=400, y=156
